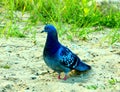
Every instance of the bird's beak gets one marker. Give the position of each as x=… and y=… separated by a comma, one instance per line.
x=42, y=31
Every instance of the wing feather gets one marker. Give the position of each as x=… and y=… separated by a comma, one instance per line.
x=67, y=58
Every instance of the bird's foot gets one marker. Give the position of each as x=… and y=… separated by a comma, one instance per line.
x=65, y=77
x=59, y=76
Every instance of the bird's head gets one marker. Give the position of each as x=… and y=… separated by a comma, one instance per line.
x=49, y=29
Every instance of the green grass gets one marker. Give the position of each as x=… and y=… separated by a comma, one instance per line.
x=5, y=66
x=11, y=31
x=113, y=81
x=92, y=87
x=113, y=36
x=76, y=13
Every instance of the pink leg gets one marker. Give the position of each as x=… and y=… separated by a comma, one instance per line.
x=59, y=76
x=65, y=77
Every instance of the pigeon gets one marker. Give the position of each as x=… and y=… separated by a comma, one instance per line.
x=58, y=57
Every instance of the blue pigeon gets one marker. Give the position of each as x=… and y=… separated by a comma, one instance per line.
x=58, y=57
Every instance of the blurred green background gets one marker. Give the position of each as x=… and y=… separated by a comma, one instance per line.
x=76, y=15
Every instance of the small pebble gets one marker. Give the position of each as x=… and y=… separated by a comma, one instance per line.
x=37, y=74
x=33, y=78
x=27, y=88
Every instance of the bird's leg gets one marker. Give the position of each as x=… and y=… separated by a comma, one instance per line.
x=59, y=76
x=65, y=77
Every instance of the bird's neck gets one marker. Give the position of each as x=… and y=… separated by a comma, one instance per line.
x=52, y=44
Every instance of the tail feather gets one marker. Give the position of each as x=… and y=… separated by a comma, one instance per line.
x=83, y=67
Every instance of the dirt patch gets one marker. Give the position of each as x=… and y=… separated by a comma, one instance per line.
x=22, y=68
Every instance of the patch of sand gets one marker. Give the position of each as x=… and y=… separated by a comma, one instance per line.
x=22, y=68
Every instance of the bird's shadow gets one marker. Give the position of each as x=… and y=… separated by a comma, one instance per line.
x=74, y=77
x=81, y=77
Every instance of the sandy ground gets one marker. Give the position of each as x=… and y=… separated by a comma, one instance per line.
x=22, y=68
